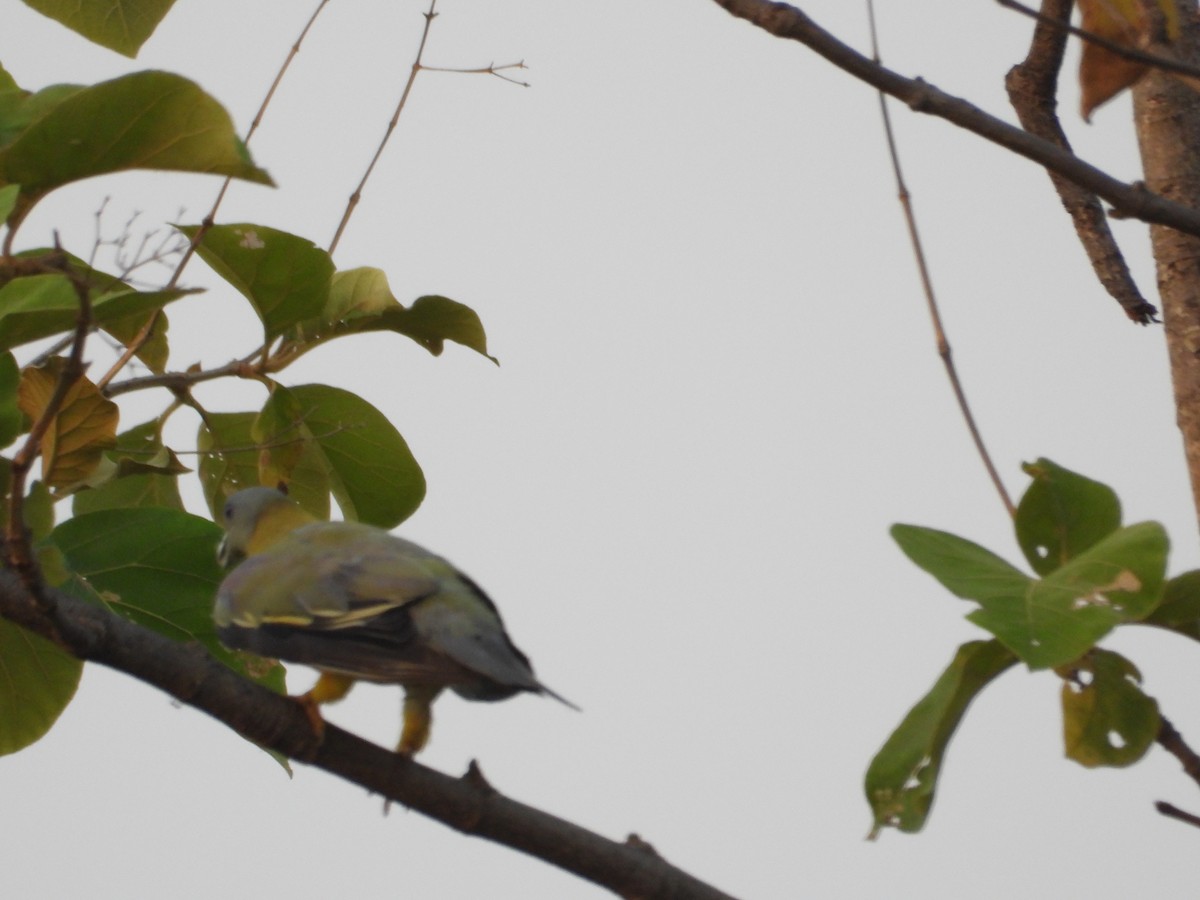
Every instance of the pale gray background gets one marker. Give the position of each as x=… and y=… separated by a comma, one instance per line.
x=718, y=389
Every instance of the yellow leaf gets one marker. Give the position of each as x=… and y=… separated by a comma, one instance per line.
x=1102, y=73
x=84, y=427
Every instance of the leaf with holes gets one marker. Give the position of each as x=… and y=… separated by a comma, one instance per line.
x=1052, y=621
x=1107, y=720
x=902, y=778
x=1120, y=579
x=1062, y=514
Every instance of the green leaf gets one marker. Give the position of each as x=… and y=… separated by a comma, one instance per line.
x=285, y=277
x=156, y=567
x=147, y=120
x=1062, y=514
x=361, y=301
x=37, y=681
x=42, y=306
x=12, y=421
x=120, y=25
x=371, y=471
x=1107, y=720
x=154, y=351
x=19, y=108
x=39, y=511
x=1053, y=621
x=8, y=200
x=964, y=568
x=902, y=778
x=230, y=460
x=1179, y=609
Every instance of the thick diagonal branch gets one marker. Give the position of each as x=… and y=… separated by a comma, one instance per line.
x=1133, y=201
x=467, y=804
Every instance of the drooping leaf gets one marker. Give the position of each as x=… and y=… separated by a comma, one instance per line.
x=120, y=25
x=146, y=120
x=156, y=567
x=1107, y=720
x=12, y=421
x=902, y=778
x=1052, y=621
x=285, y=277
x=372, y=473
x=1102, y=73
x=1062, y=514
x=84, y=427
x=360, y=300
x=37, y=681
x=139, y=471
x=231, y=459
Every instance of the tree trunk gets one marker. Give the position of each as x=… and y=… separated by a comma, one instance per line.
x=1167, y=118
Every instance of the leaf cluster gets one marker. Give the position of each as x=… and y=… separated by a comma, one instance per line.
x=1091, y=574
x=130, y=544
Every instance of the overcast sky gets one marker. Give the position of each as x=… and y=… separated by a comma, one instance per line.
x=717, y=390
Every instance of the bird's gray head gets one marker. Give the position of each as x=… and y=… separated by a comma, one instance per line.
x=240, y=518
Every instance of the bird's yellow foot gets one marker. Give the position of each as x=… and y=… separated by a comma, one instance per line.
x=418, y=719
x=329, y=689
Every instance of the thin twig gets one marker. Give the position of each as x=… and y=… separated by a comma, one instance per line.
x=1156, y=58
x=1174, y=812
x=935, y=316
x=1032, y=89
x=174, y=381
x=144, y=335
x=352, y=203
x=491, y=69
x=1172, y=741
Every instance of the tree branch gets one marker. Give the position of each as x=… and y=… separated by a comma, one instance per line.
x=1132, y=201
x=467, y=804
x=1032, y=89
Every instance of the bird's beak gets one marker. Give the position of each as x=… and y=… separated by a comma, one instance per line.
x=227, y=555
